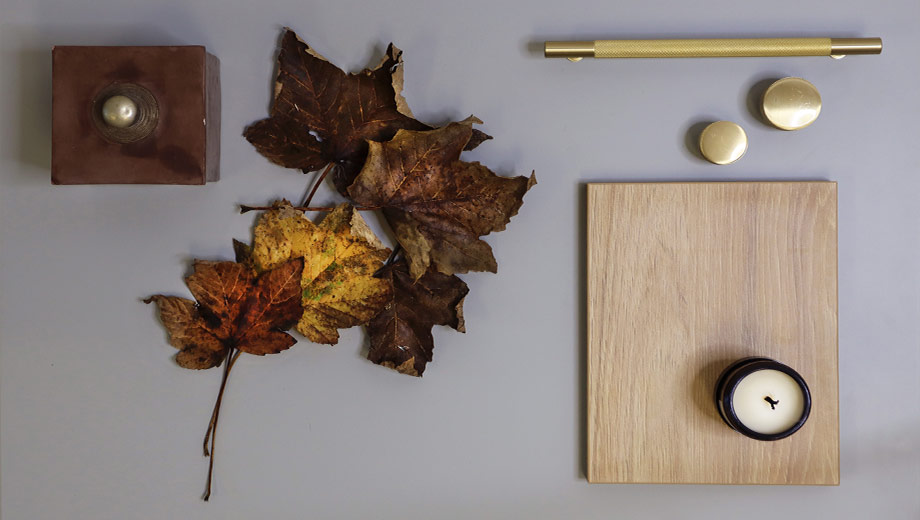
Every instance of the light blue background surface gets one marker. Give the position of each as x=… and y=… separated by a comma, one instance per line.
x=98, y=423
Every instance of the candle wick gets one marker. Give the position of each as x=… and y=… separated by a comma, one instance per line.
x=772, y=402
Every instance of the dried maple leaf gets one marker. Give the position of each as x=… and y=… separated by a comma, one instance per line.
x=322, y=115
x=243, y=253
x=340, y=254
x=234, y=309
x=401, y=333
x=438, y=205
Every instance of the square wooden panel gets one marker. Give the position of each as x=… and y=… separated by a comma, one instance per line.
x=684, y=279
x=184, y=147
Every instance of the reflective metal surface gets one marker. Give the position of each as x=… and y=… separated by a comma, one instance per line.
x=712, y=48
x=844, y=46
x=568, y=49
x=119, y=111
x=723, y=142
x=791, y=103
x=125, y=112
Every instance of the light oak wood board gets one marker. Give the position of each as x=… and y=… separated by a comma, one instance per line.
x=683, y=279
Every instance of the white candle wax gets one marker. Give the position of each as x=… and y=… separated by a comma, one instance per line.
x=768, y=401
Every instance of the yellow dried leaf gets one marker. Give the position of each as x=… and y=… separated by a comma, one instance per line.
x=340, y=254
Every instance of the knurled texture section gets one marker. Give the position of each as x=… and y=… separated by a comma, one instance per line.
x=712, y=48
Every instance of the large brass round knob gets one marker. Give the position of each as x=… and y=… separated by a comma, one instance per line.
x=791, y=103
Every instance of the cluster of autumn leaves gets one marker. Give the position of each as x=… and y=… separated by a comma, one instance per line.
x=334, y=274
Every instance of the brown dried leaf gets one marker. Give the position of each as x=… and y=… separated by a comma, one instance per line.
x=438, y=205
x=476, y=139
x=401, y=334
x=242, y=252
x=321, y=115
x=340, y=254
x=233, y=309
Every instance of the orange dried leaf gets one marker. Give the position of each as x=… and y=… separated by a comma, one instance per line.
x=234, y=309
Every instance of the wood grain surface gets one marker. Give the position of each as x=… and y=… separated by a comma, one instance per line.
x=684, y=279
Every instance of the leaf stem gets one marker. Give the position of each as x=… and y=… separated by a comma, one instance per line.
x=211, y=434
x=246, y=208
x=319, y=180
x=396, y=250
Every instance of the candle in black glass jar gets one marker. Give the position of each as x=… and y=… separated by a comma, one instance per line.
x=763, y=399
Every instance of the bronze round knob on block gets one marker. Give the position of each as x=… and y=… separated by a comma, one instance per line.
x=119, y=111
x=723, y=142
x=791, y=103
x=125, y=112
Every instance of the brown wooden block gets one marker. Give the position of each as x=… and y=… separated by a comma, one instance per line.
x=684, y=279
x=182, y=148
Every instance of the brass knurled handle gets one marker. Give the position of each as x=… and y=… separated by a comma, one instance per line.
x=712, y=48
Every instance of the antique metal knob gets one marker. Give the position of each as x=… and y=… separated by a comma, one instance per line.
x=119, y=111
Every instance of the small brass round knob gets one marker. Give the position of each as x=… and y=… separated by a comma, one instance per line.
x=119, y=111
x=723, y=142
x=791, y=103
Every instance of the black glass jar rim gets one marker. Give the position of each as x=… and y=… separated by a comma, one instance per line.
x=728, y=382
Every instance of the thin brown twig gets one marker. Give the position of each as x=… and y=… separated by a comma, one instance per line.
x=220, y=393
x=211, y=434
x=396, y=251
x=319, y=180
x=246, y=208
